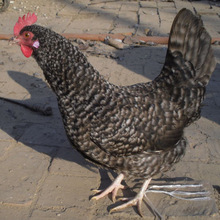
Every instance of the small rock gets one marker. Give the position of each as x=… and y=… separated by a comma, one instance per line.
x=216, y=43
x=35, y=85
x=36, y=74
x=92, y=43
x=130, y=40
x=117, y=43
x=151, y=43
x=148, y=32
x=83, y=45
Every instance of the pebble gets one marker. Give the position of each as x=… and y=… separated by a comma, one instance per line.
x=36, y=74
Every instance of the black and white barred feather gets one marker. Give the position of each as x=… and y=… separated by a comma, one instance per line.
x=137, y=129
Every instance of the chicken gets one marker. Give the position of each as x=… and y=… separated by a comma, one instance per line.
x=137, y=130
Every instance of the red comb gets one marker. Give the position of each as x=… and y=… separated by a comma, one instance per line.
x=24, y=21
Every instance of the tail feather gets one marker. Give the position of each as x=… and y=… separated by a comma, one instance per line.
x=188, y=66
x=189, y=37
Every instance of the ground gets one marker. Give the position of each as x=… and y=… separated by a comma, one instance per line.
x=42, y=176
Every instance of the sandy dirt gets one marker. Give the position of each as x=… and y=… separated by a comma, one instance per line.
x=42, y=176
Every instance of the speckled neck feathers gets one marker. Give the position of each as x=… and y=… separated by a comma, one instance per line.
x=62, y=63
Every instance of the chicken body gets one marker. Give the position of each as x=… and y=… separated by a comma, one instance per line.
x=135, y=130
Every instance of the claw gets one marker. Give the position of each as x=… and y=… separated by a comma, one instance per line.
x=97, y=190
x=137, y=201
x=124, y=199
x=113, y=188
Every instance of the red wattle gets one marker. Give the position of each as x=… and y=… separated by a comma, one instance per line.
x=27, y=51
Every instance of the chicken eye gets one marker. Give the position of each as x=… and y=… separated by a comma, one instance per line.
x=27, y=35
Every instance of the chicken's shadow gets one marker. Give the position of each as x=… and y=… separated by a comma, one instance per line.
x=44, y=134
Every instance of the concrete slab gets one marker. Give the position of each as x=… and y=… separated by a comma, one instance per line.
x=42, y=177
x=56, y=187
x=18, y=185
x=14, y=212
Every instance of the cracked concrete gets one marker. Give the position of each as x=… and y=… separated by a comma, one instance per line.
x=42, y=176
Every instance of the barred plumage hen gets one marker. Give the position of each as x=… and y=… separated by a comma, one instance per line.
x=136, y=130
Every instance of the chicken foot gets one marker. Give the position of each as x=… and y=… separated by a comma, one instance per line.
x=136, y=201
x=113, y=188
